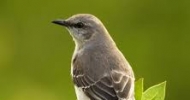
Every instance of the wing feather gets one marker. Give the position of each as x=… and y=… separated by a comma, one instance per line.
x=109, y=84
x=123, y=84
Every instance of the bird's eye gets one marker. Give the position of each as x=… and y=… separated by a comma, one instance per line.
x=79, y=25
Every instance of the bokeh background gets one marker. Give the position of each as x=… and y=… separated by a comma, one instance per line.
x=35, y=54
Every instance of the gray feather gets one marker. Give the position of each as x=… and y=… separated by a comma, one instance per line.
x=106, y=81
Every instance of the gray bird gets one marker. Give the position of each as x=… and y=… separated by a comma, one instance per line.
x=99, y=70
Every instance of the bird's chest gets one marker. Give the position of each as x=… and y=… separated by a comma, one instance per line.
x=80, y=94
x=73, y=60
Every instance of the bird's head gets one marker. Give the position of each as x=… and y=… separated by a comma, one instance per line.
x=83, y=27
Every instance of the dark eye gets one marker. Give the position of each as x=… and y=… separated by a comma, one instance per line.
x=79, y=25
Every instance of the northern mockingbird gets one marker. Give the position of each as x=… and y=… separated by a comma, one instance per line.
x=99, y=70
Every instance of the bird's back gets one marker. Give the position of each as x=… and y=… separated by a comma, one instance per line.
x=107, y=74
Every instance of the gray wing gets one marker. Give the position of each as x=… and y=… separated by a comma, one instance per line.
x=116, y=87
x=123, y=85
x=100, y=84
x=101, y=89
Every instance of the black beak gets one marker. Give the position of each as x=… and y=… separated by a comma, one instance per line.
x=61, y=22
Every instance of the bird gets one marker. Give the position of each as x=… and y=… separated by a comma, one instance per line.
x=98, y=68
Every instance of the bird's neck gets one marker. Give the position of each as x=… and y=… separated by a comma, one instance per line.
x=98, y=42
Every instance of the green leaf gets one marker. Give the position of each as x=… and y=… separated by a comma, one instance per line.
x=156, y=92
x=139, y=89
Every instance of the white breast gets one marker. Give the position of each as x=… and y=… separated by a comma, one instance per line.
x=80, y=94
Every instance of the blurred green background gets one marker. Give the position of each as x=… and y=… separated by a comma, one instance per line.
x=35, y=54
